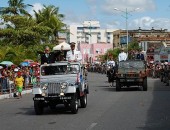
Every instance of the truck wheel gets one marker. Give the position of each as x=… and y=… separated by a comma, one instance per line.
x=83, y=101
x=109, y=79
x=74, y=104
x=145, y=86
x=118, y=85
x=38, y=107
x=161, y=77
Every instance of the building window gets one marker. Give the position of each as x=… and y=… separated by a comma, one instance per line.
x=87, y=38
x=98, y=51
x=80, y=28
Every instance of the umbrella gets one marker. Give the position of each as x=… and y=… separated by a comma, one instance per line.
x=28, y=60
x=65, y=45
x=34, y=64
x=9, y=63
x=25, y=63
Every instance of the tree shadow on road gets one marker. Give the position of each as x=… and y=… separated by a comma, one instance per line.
x=158, y=114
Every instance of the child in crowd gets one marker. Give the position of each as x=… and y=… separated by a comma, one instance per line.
x=19, y=82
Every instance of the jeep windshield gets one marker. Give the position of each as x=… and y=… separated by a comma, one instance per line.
x=131, y=64
x=60, y=69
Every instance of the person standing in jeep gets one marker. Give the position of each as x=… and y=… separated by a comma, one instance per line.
x=47, y=56
x=122, y=55
x=73, y=55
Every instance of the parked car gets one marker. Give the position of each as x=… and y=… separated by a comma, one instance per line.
x=61, y=83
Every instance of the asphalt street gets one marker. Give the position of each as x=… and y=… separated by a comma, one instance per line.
x=129, y=109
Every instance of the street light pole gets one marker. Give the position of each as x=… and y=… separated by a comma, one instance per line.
x=127, y=29
x=126, y=17
x=90, y=32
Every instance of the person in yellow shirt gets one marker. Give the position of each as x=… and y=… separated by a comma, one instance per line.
x=19, y=82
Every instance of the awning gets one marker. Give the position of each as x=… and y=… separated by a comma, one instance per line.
x=65, y=45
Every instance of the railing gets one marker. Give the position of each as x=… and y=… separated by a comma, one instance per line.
x=6, y=86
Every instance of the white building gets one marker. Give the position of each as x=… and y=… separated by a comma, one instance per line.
x=90, y=32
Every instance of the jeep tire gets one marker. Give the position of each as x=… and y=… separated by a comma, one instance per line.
x=38, y=107
x=145, y=87
x=118, y=85
x=74, y=104
x=83, y=101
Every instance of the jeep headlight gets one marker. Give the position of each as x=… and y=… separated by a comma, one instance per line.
x=64, y=85
x=44, y=86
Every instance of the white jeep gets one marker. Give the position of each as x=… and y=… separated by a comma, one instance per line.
x=61, y=83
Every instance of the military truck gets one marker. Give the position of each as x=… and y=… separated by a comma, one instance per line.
x=61, y=83
x=131, y=73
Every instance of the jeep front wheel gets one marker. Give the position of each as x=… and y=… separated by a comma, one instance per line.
x=38, y=107
x=118, y=85
x=145, y=87
x=83, y=101
x=74, y=104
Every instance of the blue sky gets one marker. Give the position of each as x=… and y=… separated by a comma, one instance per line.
x=152, y=13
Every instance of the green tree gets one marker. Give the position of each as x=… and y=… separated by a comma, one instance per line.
x=134, y=45
x=16, y=7
x=23, y=30
x=50, y=16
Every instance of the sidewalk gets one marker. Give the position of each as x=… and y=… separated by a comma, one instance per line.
x=6, y=96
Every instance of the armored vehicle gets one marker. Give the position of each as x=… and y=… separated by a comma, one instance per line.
x=131, y=73
x=61, y=83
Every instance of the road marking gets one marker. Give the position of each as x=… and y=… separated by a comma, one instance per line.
x=91, y=126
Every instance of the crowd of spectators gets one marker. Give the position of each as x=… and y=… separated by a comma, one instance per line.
x=9, y=73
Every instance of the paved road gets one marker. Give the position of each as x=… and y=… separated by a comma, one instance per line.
x=129, y=109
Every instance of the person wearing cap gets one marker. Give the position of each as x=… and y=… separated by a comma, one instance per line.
x=19, y=82
x=73, y=55
x=122, y=55
x=48, y=57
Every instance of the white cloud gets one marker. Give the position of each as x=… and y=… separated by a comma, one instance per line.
x=148, y=23
x=36, y=7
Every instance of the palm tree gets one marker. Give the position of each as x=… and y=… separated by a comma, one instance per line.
x=49, y=16
x=16, y=7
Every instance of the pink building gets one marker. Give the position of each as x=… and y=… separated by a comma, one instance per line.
x=91, y=51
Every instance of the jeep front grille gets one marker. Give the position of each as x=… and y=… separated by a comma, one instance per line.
x=53, y=89
x=131, y=75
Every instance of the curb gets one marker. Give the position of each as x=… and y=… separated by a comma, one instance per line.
x=7, y=96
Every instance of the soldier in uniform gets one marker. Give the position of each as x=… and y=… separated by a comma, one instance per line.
x=73, y=55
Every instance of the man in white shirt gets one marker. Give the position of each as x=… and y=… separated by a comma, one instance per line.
x=111, y=62
x=73, y=55
x=122, y=56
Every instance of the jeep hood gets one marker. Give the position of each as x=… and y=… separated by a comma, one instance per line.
x=130, y=70
x=72, y=78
